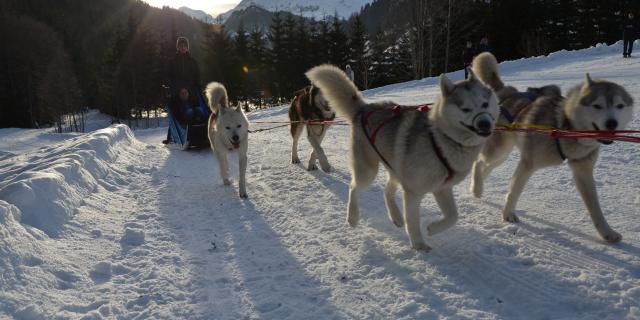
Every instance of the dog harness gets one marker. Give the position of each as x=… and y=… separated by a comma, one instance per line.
x=512, y=118
x=395, y=112
x=566, y=124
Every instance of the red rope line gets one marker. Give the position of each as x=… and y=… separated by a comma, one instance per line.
x=617, y=135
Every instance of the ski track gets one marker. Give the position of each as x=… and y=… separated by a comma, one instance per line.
x=160, y=236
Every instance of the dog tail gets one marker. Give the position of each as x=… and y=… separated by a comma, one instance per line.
x=216, y=96
x=485, y=66
x=342, y=94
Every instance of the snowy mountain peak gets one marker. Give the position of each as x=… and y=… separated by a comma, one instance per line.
x=197, y=14
x=317, y=9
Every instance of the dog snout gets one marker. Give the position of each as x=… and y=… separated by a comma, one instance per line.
x=235, y=138
x=484, y=125
x=611, y=124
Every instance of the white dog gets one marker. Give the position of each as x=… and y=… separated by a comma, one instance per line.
x=228, y=132
x=423, y=152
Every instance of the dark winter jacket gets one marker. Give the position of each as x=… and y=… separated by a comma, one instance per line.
x=483, y=48
x=180, y=109
x=467, y=55
x=183, y=73
x=629, y=29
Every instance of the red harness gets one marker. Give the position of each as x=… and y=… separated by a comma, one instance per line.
x=395, y=112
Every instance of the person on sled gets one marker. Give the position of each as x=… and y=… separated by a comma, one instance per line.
x=184, y=81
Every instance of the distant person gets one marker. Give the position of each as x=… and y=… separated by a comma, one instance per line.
x=629, y=35
x=183, y=73
x=467, y=56
x=484, y=45
x=349, y=73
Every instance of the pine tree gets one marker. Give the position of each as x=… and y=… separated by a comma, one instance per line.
x=338, y=50
x=242, y=53
x=257, y=49
x=221, y=63
x=378, y=72
x=321, y=42
x=290, y=68
x=302, y=58
x=359, y=58
x=259, y=73
x=278, y=54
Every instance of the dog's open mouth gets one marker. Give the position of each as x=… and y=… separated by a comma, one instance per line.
x=235, y=145
x=603, y=141
x=482, y=133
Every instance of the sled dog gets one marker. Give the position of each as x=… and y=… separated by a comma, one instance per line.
x=592, y=105
x=228, y=132
x=422, y=151
x=309, y=104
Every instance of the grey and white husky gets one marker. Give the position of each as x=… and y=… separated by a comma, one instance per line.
x=228, y=132
x=592, y=105
x=423, y=152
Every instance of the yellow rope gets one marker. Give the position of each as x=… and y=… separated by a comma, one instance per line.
x=516, y=125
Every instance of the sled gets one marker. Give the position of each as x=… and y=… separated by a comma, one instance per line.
x=189, y=135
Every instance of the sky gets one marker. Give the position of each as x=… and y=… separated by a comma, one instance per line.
x=212, y=7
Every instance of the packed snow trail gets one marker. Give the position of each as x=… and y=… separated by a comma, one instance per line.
x=126, y=228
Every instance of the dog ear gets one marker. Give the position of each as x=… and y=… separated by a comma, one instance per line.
x=587, y=84
x=472, y=76
x=587, y=80
x=446, y=86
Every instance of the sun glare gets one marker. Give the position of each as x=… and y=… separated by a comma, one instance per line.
x=212, y=7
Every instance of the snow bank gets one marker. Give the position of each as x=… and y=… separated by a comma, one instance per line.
x=45, y=187
x=40, y=193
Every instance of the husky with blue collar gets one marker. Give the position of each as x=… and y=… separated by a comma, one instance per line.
x=592, y=105
x=422, y=151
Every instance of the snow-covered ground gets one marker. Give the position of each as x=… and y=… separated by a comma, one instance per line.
x=112, y=224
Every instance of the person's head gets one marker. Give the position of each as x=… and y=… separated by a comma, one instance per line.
x=484, y=40
x=630, y=15
x=182, y=45
x=184, y=95
x=348, y=67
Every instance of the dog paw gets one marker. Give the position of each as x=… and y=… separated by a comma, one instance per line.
x=326, y=169
x=226, y=182
x=421, y=246
x=295, y=160
x=312, y=167
x=510, y=217
x=243, y=195
x=398, y=223
x=612, y=236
